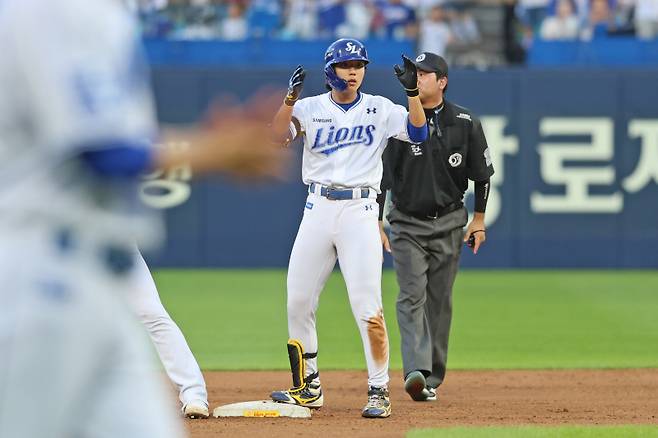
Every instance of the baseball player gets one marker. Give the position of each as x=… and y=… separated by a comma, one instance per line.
x=75, y=118
x=176, y=357
x=344, y=133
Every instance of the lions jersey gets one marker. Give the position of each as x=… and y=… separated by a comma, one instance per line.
x=72, y=78
x=343, y=148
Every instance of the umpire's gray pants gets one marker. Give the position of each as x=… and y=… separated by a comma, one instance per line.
x=426, y=258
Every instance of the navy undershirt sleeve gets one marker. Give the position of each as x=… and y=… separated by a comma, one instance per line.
x=481, y=195
x=381, y=201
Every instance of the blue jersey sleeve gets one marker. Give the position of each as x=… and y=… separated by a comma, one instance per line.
x=119, y=159
x=417, y=134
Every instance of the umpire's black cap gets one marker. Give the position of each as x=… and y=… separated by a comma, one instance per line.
x=432, y=63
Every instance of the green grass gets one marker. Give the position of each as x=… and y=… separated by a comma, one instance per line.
x=538, y=432
x=502, y=319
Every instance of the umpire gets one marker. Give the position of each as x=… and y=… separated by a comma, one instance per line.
x=428, y=182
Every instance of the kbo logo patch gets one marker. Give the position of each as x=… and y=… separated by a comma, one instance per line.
x=455, y=159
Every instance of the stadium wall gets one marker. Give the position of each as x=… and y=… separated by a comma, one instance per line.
x=575, y=153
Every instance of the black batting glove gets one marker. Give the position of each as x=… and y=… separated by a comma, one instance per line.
x=295, y=85
x=408, y=76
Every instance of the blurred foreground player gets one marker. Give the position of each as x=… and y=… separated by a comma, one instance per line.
x=76, y=122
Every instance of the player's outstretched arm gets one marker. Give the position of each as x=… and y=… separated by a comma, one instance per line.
x=281, y=121
x=408, y=77
x=236, y=141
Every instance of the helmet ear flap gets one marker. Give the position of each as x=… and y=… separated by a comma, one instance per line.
x=332, y=78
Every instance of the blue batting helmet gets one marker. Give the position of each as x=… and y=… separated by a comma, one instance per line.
x=344, y=49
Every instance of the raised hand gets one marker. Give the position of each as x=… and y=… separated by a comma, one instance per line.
x=408, y=76
x=295, y=85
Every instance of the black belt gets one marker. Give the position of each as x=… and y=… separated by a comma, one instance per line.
x=435, y=214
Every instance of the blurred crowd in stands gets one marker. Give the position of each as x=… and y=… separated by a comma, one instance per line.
x=450, y=27
x=590, y=19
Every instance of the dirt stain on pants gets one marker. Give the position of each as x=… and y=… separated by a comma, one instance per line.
x=378, y=338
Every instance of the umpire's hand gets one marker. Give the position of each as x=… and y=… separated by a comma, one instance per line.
x=475, y=233
x=384, y=236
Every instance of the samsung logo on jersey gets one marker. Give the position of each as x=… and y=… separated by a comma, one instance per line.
x=322, y=120
x=343, y=137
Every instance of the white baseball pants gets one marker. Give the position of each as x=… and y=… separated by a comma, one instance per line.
x=177, y=358
x=346, y=230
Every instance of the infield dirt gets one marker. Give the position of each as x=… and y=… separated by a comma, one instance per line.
x=477, y=398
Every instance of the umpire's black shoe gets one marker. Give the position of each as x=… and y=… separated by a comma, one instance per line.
x=416, y=386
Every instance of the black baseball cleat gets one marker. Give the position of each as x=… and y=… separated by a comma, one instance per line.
x=379, y=405
x=417, y=388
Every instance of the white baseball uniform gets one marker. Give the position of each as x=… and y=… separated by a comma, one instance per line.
x=342, y=149
x=73, y=360
x=176, y=357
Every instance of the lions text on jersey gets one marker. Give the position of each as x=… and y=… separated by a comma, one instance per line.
x=343, y=148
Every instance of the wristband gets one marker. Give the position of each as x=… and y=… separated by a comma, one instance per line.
x=412, y=92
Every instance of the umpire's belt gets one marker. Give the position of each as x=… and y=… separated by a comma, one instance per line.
x=434, y=214
x=335, y=194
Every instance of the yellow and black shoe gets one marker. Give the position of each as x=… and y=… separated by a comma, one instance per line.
x=308, y=395
x=305, y=389
x=379, y=405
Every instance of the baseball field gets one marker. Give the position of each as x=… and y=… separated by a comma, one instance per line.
x=532, y=354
